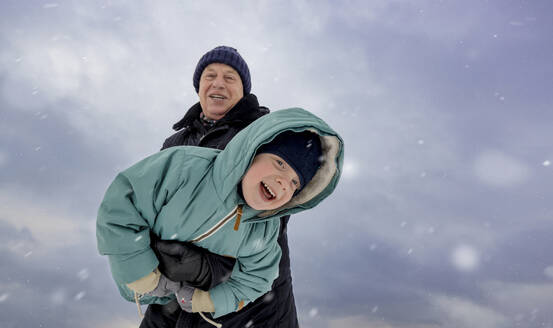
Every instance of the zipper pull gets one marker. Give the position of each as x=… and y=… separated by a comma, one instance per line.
x=238, y=217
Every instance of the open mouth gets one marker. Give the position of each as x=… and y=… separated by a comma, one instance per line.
x=217, y=97
x=267, y=192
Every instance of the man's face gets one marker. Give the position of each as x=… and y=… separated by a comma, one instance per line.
x=269, y=183
x=220, y=89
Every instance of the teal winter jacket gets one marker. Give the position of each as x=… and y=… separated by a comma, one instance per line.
x=190, y=194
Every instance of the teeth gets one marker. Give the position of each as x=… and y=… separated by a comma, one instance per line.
x=269, y=189
x=217, y=96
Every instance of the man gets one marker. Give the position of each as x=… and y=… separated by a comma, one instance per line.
x=222, y=81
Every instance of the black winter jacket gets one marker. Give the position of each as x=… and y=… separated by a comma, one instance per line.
x=275, y=309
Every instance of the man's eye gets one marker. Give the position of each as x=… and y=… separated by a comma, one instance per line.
x=280, y=162
x=295, y=182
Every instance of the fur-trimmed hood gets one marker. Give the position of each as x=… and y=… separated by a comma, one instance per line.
x=233, y=162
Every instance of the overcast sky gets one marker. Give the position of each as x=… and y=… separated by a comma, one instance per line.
x=443, y=216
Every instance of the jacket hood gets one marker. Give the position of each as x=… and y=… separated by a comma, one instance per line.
x=232, y=163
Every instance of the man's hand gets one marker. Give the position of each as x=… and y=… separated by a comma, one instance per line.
x=184, y=298
x=182, y=262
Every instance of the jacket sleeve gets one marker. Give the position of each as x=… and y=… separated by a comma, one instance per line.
x=128, y=212
x=252, y=276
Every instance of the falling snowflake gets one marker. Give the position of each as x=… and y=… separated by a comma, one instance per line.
x=174, y=236
x=349, y=170
x=83, y=274
x=313, y=312
x=409, y=251
x=465, y=258
x=58, y=297
x=549, y=271
x=138, y=238
x=4, y=297
x=257, y=244
x=420, y=142
x=374, y=309
x=249, y=324
x=268, y=297
x=546, y=163
x=79, y=296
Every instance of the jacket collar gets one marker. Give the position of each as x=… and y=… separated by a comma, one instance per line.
x=246, y=110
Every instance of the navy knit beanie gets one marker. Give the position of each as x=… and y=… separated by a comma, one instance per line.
x=301, y=150
x=224, y=55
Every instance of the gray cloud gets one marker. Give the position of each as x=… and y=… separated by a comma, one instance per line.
x=441, y=219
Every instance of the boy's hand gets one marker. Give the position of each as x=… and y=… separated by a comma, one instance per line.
x=184, y=297
x=165, y=287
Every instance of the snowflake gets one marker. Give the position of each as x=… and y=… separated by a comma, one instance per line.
x=83, y=274
x=268, y=297
x=465, y=258
x=79, y=296
x=4, y=297
x=549, y=271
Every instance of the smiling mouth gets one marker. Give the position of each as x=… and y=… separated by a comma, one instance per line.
x=217, y=97
x=267, y=192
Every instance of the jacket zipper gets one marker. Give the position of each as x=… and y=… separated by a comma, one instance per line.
x=217, y=129
x=235, y=211
x=238, y=217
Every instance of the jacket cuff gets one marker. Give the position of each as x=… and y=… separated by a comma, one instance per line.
x=201, y=301
x=145, y=284
x=129, y=268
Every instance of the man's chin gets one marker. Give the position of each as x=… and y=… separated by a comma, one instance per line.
x=216, y=113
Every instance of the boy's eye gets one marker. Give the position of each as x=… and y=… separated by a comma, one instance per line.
x=229, y=78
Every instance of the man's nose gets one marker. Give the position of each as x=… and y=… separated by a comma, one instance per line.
x=218, y=82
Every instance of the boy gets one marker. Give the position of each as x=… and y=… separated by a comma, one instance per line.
x=283, y=163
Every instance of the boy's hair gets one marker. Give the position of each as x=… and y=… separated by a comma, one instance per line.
x=301, y=150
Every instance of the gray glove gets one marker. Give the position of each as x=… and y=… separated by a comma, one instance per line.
x=184, y=297
x=165, y=287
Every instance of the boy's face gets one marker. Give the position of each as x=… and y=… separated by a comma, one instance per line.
x=269, y=182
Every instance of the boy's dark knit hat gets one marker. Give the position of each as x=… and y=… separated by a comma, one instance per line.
x=224, y=55
x=301, y=150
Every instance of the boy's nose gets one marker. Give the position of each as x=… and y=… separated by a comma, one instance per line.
x=282, y=182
